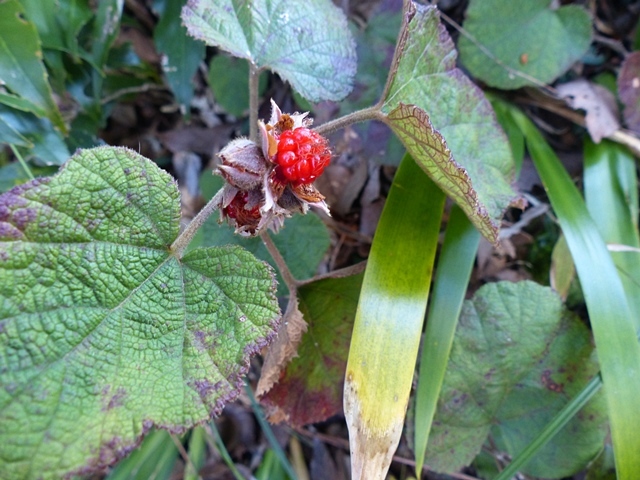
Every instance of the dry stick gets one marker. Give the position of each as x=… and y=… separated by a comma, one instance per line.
x=289, y=280
x=621, y=136
x=183, y=453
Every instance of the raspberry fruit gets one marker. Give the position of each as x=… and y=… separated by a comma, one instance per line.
x=302, y=155
x=243, y=218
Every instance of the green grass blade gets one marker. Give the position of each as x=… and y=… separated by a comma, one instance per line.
x=389, y=319
x=454, y=269
x=154, y=459
x=610, y=191
x=197, y=453
x=268, y=433
x=224, y=453
x=554, y=426
x=611, y=321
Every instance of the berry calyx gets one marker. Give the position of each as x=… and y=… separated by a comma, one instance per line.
x=302, y=155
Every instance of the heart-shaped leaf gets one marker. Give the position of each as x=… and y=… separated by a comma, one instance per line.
x=474, y=167
x=307, y=43
x=517, y=358
x=104, y=332
x=528, y=37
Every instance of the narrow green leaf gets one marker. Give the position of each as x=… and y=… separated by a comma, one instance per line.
x=8, y=135
x=549, y=40
x=517, y=358
x=154, y=460
x=307, y=43
x=389, y=319
x=449, y=288
x=105, y=29
x=21, y=67
x=474, y=167
x=611, y=196
x=611, y=320
x=181, y=54
x=197, y=453
x=105, y=333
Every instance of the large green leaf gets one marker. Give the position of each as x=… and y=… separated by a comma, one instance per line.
x=104, y=332
x=21, y=67
x=182, y=54
x=310, y=387
x=474, y=166
x=530, y=37
x=517, y=358
x=306, y=42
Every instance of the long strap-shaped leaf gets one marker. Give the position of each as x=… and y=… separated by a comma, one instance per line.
x=613, y=327
x=450, y=285
x=389, y=320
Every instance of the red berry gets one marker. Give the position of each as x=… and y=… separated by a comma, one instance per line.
x=236, y=210
x=302, y=155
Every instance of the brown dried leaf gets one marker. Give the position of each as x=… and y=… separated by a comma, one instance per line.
x=283, y=349
x=599, y=104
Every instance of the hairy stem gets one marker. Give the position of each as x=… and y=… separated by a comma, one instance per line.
x=254, y=101
x=184, y=239
x=289, y=280
x=371, y=113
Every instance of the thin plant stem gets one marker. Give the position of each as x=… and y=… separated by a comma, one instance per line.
x=184, y=239
x=289, y=280
x=183, y=453
x=22, y=162
x=371, y=113
x=254, y=101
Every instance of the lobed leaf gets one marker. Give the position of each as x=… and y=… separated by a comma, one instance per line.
x=517, y=358
x=105, y=333
x=549, y=41
x=474, y=167
x=307, y=43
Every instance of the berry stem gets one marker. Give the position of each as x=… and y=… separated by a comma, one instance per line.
x=371, y=113
x=289, y=280
x=184, y=239
x=254, y=101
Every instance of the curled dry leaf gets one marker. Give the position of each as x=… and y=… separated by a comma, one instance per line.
x=284, y=348
x=598, y=103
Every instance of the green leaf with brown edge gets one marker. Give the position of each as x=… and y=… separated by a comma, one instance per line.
x=21, y=67
x=307, y=43
x=475, y=166
x=532, y=38
x=517, y=358
x=310, y=388
x=104, y=332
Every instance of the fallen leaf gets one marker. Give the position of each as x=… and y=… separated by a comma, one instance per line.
x=599, y=104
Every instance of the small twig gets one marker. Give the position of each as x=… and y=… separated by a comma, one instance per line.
x=126, y=91
x=341, y=273
x=184, y=239
x=22, y=162
x=183, y=453
x=371, y=113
